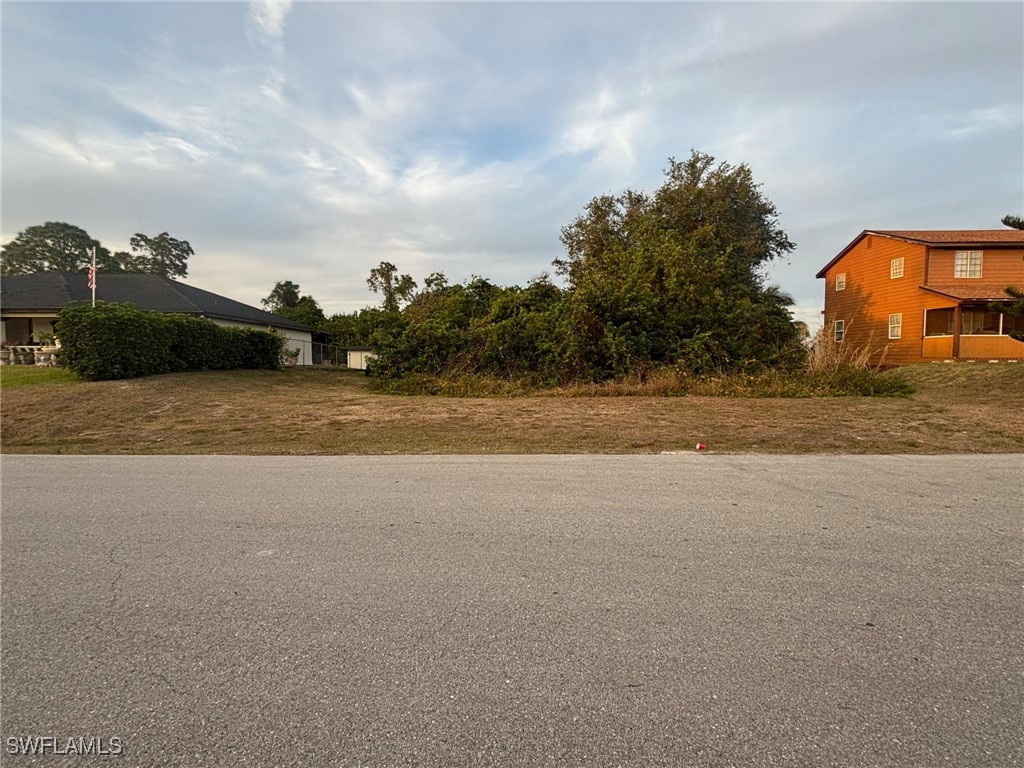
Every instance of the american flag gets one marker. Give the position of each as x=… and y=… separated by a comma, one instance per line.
x=92, y=271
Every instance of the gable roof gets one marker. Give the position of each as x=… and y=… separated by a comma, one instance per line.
x=51, y=291
x=949, y=238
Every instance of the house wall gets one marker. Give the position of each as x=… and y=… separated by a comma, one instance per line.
x=301, y=339
x=998, y=265
x=871, y=295
x=937, y=347
x=991, y=347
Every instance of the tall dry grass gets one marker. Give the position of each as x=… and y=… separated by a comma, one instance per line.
x=827, y=354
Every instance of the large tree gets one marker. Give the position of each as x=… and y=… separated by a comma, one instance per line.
x=395, y=289
x=54, y=247
x=677, y=276
x=307, y=312
x=161, y=255
x=287, y=301
x=60, y=247
x=1014, y=222
x=285, y=294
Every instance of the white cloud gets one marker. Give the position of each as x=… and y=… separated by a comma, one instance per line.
x=312, y=160
x=975, y=122
x=265, y=25
x=92, y=153
x=607, y=126
x=267, y=18
x=273, y=86
x=809, y=314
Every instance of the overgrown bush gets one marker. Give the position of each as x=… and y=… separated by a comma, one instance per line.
x=120, y=341
x=673, y=278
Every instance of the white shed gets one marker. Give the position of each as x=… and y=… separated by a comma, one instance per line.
x=359, y=357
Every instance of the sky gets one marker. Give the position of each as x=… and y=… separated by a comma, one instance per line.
x=311, y=141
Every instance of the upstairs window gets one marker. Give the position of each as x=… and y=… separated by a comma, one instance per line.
x=841, y=281
x=896, y=325
x=967, y=264
x=896, y=268
x=839, y=329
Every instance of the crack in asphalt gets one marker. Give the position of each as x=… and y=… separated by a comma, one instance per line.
x=115, y=584
x=171, y=686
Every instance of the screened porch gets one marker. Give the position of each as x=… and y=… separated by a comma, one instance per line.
x=971, y=331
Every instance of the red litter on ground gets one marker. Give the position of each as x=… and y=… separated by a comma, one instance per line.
x=701, y=447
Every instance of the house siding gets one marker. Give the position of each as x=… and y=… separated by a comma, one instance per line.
x=871, y=295
x=998, y=265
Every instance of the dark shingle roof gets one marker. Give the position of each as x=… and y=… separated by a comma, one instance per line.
x=51, y=291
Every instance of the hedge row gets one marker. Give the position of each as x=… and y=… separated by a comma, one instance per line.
x=120, y=341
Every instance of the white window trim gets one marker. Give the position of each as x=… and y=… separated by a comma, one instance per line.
x=841, y=281
x=839, y=331
x=967, y=265
x=896, y=325
x=896, y=266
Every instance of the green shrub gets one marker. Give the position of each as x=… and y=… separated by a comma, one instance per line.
x=120, y=341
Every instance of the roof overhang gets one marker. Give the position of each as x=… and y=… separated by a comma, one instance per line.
x=961, y=299
x=988, y=246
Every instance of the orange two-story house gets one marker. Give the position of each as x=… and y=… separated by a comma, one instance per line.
x=910, y=296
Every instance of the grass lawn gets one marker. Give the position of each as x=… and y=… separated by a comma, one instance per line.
x=957, y=408
x=12, y=376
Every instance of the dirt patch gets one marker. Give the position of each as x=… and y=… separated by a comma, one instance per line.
x=974, y=408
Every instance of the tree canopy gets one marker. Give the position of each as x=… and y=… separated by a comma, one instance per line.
x=52, y=247
x=286, y=300
x=673, y=278
x=160, y=255
x=677, y=274
x=1016, y=309
x=1013, y=222
x=60, y=247
x=285, y=294
x=395, y=289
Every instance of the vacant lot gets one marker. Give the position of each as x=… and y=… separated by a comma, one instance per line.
x=971, y=407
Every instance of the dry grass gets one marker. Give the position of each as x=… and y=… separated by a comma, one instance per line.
x=970, y=407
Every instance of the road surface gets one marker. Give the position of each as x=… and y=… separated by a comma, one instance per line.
x=695, y=610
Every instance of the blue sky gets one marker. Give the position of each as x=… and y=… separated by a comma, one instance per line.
x=310, y=141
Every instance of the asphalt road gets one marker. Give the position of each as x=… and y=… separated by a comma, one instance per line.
x=515, y=611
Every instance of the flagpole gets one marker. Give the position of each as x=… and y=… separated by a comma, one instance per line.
x=93, y=276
